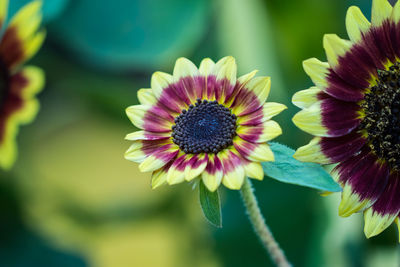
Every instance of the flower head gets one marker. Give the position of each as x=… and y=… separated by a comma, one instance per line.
x=203, y=123
x=19, y=41
x=354, y=110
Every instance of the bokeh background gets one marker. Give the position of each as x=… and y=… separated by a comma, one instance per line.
x=72, y=200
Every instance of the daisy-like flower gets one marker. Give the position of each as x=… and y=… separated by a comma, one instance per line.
x=354, y=110
x=19, y=41
x=203, y=123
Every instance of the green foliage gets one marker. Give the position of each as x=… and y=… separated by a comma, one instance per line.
x=210, y=204
x=287, y=169
x=125, y=35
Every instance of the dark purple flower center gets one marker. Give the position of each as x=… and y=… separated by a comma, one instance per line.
x=206, y=127
x=382, y=116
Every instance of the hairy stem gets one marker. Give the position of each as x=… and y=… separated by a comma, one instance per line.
x=260, y=227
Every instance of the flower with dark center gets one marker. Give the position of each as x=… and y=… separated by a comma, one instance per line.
x=203, y=123
x=19, y=41
x=354, y=110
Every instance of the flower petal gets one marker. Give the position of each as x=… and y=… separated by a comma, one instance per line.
x=356, y=24
x=260, y=133
x=212, y=175
x=146, y=97
x=381, y=11
x=176, y=173
x=143, y=135
x=310, y=120
x=184, y=68
x=150, y=118
x=159, y=158
x=306, y=98
x=159, y=177
x=252, y=96
x=160, y=81
x=225, y=71
x=253, y=152
x=196, y=166
x=317, y=71
x=385, y=210
x=206, y=67
x=335, y=48
x=266, y=112
x=328, y=150
x=3, y=12
x=234, y=172
x=253, y=169
x=20, y=107
x=363, y=179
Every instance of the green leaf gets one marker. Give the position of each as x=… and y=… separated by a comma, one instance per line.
x=287, y=169
x=211, y=206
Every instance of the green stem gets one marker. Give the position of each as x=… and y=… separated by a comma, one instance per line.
x=260, y=227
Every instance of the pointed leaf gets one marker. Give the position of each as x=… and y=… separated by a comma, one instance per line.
x=287, y=169
x=211, y=206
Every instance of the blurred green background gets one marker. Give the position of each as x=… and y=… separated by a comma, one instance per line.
x=73, y=200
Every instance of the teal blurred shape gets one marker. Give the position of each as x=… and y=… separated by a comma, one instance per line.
x=287, y=169
x=123, y=35
x=51, y=8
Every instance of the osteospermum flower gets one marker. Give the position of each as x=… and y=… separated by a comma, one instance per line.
x=354, y=110
x=203, y=123
x=19, y=41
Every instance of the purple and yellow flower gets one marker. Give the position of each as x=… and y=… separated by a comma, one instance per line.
x=203, y=123
x=19, y=41
x=354, y=112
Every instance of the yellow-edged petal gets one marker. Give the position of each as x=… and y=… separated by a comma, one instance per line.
x=183, y=68
x=317, y=71
x=375, y=223
x=335, y=47
x=146, y=96
x=356, y=23
x=160, y=81
x=212, y=179
x=135, y=153
x=197, y=168
x=310, y=120
x=312, y=153
x=27, y=20
x=306, y=98
x=176, y=173
x=351, y=202
x=381, y=11
x=234, y=173
x=206, y=67
x=3, y=11
x=254, y=170
x=33, y=44
x=261, y=87
x=158, y=178
x=225, y=69
x=396, y=13
x=271, y=109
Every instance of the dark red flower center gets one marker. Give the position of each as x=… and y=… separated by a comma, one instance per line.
x=206, y=127
x=382, y=116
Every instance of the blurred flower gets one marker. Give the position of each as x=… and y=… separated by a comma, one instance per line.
x=354, y=111
x=203, y=122
x=18, y=85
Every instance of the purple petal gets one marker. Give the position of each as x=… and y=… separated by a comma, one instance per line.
x=341, y=148
x=339, y=117
x=365, y=174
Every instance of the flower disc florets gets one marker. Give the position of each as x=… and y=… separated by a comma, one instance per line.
x=206, y=127
x=382, y=116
